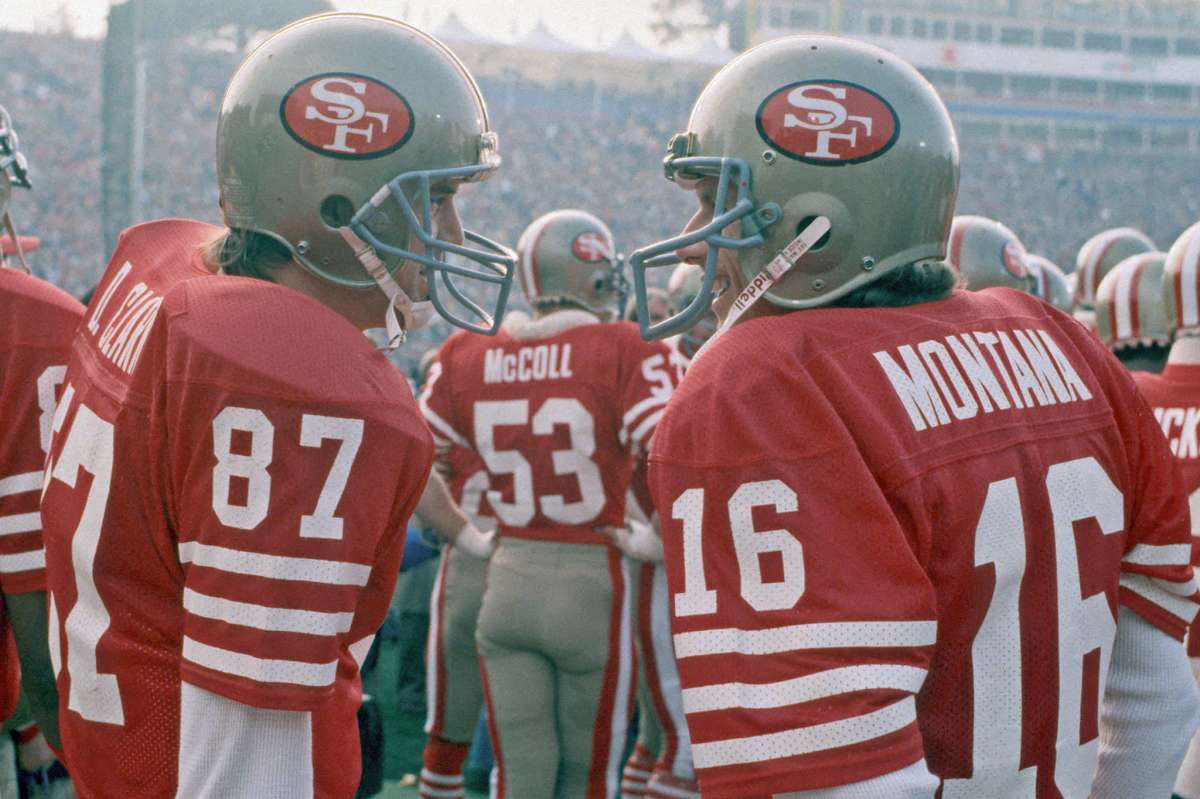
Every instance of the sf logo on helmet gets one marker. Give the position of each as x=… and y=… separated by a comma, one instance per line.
x=828, y=122
x=347, y=116
x=591, y=246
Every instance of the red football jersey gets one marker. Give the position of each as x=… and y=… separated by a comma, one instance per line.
x=467, y=479
x=37, y=322
x=900, y=533
x=555, y=409
x=251, y=463
x=1175, y=397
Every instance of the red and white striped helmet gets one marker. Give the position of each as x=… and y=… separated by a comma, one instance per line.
x=988, y=255
x=1181, y=284
x=1129, y=303
x=1100, y=254
x=1051, y=284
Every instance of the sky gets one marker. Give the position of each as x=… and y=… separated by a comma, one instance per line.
x=590, y=23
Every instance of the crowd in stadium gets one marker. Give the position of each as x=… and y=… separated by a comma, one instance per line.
x=957, y=510
x=563, y=146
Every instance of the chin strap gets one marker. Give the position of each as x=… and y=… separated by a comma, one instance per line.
x=771, y=274
x=16, y=240
x=415, y=315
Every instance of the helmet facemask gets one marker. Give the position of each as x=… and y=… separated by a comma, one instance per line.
x=733, y=183
x=494, y=263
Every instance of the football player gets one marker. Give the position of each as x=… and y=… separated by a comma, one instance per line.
x=1096, y=258
x=987, y=254
x=1175, y=397
x=38, y=321
x=660, y=764
x=1131, y=318
x=453, y=689
x=917, y=540
x=1051, y=284
x=557, y=410
x=233, y=463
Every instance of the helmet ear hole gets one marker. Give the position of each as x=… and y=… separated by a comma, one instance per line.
x=808, y=220
x=337, y=211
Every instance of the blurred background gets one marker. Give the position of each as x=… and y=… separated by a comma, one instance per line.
x=1073, y=115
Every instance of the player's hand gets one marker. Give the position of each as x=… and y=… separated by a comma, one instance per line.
x=638, y=540
x=476, y=543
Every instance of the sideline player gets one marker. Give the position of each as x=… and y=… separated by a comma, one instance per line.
x=233, y=463
x=557, y=410
x=37, y=322
x=1175, y=397
x=988, y=255
x=1131, y=319
x=1096, y=258
x=453, y=687
x=1051, y=284
x=917, y=539
x=660, y=765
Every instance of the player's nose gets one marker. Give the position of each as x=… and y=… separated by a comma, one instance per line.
x=697, y=252
x=447, y=223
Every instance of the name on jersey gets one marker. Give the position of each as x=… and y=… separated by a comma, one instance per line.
x=124, y=335
x=941, y=381
x=543, y=362
x=1179, y=426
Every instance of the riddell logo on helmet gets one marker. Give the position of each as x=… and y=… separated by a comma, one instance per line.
x=344, y=115
x=828, y=122
x=1014, y=260
x=591, y=246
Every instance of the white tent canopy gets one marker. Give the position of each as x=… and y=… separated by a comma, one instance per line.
x=628, y=48
x=540, y=38
x=453, y=29
x=710, y=50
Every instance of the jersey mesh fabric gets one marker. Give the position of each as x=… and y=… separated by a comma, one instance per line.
x=613, y=387
x=248, y=410
x=38, y=321
x=1175, y=398
x=838, y=626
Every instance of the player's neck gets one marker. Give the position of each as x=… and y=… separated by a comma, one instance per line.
x=1185, y=351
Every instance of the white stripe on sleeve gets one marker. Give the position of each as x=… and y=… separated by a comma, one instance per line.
x=1161, y=555
x=773, y=640
x=20, y=523
x=239, y=664
x=822, y=685
x=23, y=562
x=20, y=483
x=276, y=567
x=804, y=740
x=1171, y=597
x=262, y=617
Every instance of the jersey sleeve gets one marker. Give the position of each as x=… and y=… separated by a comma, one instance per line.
x=437, y=404
x=1157, y=580
x=647, y=383
x=803, y=620
x=30, y=379
x=288, y=513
